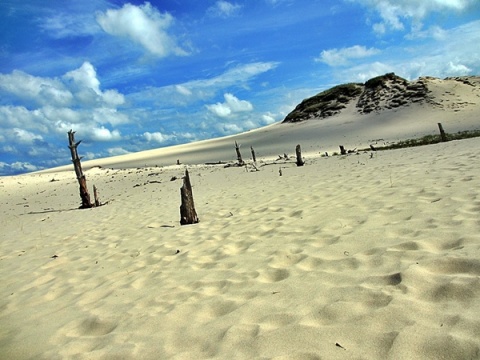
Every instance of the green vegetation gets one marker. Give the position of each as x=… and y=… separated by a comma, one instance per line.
x=379, y=81
x=325, y=103
x=430, y=139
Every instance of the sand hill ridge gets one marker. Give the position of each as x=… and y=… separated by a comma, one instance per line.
x=380, y=93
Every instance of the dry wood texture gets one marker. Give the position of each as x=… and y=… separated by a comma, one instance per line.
x=188, y=215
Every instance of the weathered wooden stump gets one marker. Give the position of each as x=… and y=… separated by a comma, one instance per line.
x=443, y=136
x=298, y=151
x=188, y=215
x=84, y=195
x=95, y=196
x=254, y=158
x=239, y=155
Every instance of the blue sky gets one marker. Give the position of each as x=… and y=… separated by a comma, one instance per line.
x=130, y=76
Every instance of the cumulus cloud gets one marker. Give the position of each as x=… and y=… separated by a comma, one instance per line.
x=440, y=58
x=25, y=136
x=232, y=105
x=203, y=89
x=340, y=57
x=223, y=9
x=85, y=77
x=17, y=167
x=37, y=89
x=268, y=119
x=157, y=137
x=86, y=86
x=77, y=87
x=143, y=25
x=117, y=151
x=104, y=134
x=394, y=12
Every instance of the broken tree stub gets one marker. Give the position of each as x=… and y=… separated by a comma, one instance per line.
x=239, y=155
x=298, y=151
x=84, y=195
x=188, y=215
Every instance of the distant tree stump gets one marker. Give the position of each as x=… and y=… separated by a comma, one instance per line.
x=188, y=215
x=95, y=196
x=298, y=151
x=443, y=136
x=254, y=158
x=239, y=155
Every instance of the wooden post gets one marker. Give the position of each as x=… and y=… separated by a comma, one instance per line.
x=342, y=150
x=253, y=155
x=443, y=136
x=95, y=196
x=298, y=151
x=188, y=215
x=84, y=195
x=239, y=156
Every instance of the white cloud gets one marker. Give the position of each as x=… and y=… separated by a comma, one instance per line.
x=64, y=25
x=104, y=134
x=183, y=90
x=202, y=89
x=17, y=167
x=394, y=12
x=340, y=57
x=434, y=32
x=25, y=136
x=40, y=90
x=117, y=151
x=86, y=87
x=109, y=115
x=442, y=57
x=268, y=119
x=224, y=9
x=85, y=77
x=157, y=137
x=77, y=87
x=232, y=105
x=143, y=25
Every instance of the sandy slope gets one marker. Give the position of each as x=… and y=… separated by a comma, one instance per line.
x=378, y=255
x=453, y=103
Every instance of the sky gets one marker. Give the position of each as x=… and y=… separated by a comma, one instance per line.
x=132, y=76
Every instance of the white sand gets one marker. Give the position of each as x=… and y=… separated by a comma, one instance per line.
x=378, y=255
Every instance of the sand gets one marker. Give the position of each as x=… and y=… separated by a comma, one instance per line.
x=368, y=256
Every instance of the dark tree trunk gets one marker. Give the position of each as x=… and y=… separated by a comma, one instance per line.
x=84, y=195
x=443, y=136
x=239, y=156
x=188, y=215
x=254, y=158
x=298, y=151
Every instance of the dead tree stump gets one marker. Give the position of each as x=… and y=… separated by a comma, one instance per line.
x=95, y=196
x=298, y=151
x=254, y=158
x=443, y=136
x=342, y=150
x=239, y=155
x=188, y=215
x=84, y=195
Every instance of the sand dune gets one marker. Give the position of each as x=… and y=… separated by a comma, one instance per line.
x=368, y=256
x=451, y=102
x=378, y=255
